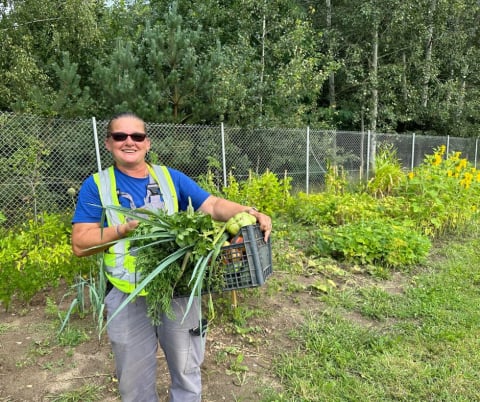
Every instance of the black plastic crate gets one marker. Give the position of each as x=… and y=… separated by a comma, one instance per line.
x=249, y=263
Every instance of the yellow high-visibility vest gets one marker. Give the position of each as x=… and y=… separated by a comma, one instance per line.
x=119, y=263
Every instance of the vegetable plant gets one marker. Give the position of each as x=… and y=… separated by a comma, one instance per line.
x=379, y=241
x=96, y=286
x=388, y=172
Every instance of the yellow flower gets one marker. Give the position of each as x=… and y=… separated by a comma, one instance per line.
x=455, y=156
x=437, y=160
x=467, y=180
x=411, y=175
x=462, y=164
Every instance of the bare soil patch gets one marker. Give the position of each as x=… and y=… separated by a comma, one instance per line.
x=34, y=367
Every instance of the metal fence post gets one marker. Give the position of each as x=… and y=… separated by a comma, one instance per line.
x=413, y=152
x=97, y=148
x=368, y=155
x=476, y=152
x=307, y=168
x=224, y=163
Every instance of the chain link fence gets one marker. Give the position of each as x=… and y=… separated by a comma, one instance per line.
x=42, y=159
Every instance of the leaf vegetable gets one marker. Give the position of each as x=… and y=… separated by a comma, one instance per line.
x=177, y=256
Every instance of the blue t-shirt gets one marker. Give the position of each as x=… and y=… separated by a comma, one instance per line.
x=133, y=190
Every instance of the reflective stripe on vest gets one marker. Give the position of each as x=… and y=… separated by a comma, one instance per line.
x=119, y=263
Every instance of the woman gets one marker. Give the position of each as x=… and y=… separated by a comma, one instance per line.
x=133, y=183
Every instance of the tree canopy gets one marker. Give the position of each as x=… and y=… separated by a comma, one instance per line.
x=386, y=65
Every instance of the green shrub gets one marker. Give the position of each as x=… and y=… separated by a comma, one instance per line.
x=266, y=192
x=36, y=255
x=379, y=241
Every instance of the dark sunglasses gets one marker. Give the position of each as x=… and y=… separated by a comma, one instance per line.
x=137, y=137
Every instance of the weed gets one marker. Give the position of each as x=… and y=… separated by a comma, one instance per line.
x=72, y=337
x=4, y=328
x=53, y=365
x=86, y=393
x=41, y=348
x=292, y=286
x=51, y=308
x=26, y=362
x=221, y=357
x=347, y=299
x=238, y=369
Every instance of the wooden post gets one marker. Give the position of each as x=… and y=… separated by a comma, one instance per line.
x=234, y=299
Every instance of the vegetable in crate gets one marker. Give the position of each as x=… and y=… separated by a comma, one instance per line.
x=238, y=221
x=236, y=253
x=233, y=226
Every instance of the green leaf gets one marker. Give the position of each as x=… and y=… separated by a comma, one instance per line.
x=164, y=264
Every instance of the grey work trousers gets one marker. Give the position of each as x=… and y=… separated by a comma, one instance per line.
x=135, y=341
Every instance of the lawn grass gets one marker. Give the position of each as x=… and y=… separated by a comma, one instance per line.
x=418, y=344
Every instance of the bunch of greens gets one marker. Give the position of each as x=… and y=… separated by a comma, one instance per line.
x=177, y=256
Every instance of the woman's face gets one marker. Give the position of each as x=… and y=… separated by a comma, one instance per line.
x=127, y=150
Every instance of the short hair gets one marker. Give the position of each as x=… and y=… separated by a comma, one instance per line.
x=120, y=115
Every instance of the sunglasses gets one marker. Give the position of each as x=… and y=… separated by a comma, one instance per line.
x=119, y=137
